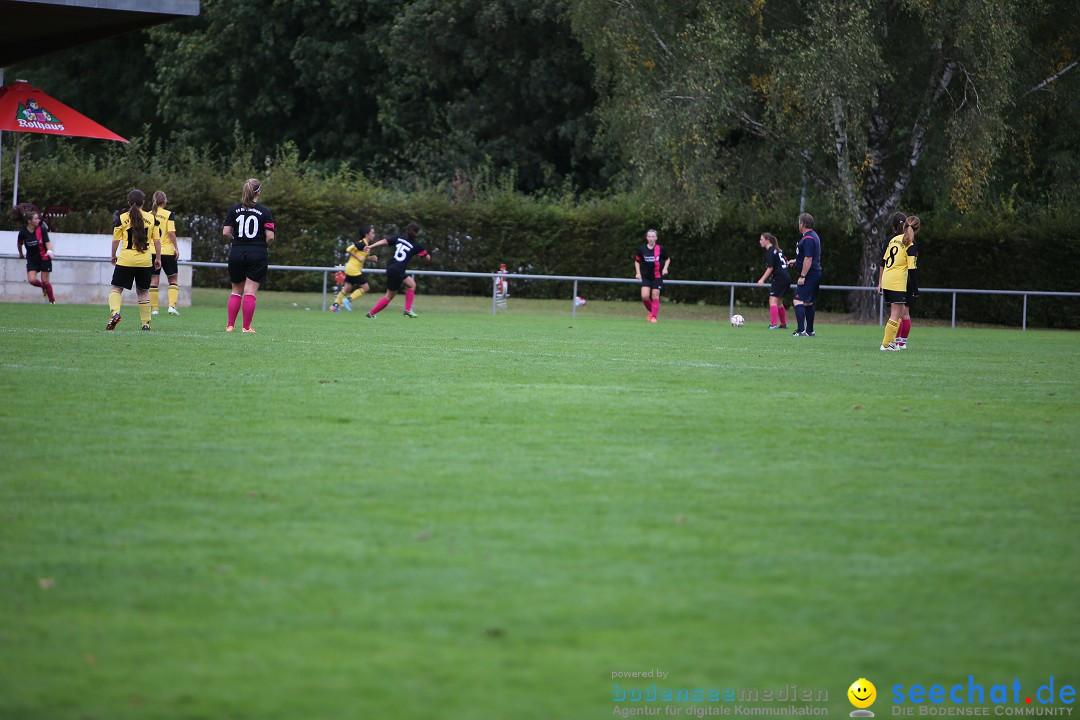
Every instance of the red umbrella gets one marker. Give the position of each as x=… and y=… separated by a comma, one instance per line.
x=24, y=108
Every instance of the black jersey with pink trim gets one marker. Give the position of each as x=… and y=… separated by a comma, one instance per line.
x=774, y=258
x=249, y=224
x=404, y=250
x=651, y=260
x=35, y=241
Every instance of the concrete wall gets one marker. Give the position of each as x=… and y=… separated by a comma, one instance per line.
x=77, y=281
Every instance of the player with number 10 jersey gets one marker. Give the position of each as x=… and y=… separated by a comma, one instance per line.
x=249, y=226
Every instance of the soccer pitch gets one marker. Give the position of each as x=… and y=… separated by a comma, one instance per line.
x=477, y=516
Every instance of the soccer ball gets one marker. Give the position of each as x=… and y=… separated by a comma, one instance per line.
x=737, y=321
x=579, y=301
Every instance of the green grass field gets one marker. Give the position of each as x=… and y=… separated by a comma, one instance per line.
x=467, y=516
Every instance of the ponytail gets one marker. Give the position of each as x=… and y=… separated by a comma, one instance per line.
x=911, y=226
x=251, y=189
x=139, y=241
x=22, y=212
x=897, y=222
x=772, y=240
x=160, y=198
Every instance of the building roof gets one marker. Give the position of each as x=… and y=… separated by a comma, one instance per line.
x=31, y=28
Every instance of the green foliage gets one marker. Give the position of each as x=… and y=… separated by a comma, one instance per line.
x=408, y=90
x=872, y=99
x=475, y=223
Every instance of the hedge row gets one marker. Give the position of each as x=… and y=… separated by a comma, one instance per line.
x=475, y=226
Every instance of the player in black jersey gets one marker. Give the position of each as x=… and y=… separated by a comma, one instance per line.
x=403, y=249
x=250, y=227
x=34, y=235
x=776, y=265
x=651, y=267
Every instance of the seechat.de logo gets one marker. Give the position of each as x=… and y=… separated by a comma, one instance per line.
x=862, y=695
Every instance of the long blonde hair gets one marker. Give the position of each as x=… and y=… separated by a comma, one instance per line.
x=251, y=189
x=160, y=198
x=911, y=226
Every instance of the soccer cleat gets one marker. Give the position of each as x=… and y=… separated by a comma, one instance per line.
x=345, y=303
x=800, y=334
x=146, y=327
x=173, y=311
x=774, y=327
x=153, y=312
x=652, y=319
x=783, y=327
x=248, y=330
x=113, y=321
x=228, y=328
x=410, y=314
x=890, y=348
x=811, y=334
x=333, y=307
x=369, y=316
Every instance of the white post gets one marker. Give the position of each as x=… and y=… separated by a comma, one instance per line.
x=325, y=275
x=495, y=295
x=573, y=302
x=15, y=192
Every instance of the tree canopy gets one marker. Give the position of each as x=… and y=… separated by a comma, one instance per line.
x=709, y=99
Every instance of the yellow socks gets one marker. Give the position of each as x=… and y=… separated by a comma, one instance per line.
x=340, y=297
x=891, y=328
x=174, y=295
x=356, y=293
x=114, y=302
x=144, y=311
x=154, y=298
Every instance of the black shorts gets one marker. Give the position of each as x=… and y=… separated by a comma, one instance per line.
x=356, y=280
x=248, y=262
x=807, y=292
x=780, y=287
x=910, y=300
x=894, y=297
x=655, y=283
x=168, y=265
x=36, y=263
x=124, y=275
x=394, y=279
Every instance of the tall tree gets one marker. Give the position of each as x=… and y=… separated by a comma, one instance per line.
x=491, y=81
x=703, y=95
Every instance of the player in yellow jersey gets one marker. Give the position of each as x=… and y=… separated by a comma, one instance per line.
x=898, y=263
x=134, y=236
x=358, y=253
x=170, y=254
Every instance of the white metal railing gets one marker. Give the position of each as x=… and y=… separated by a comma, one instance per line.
x=510, y=277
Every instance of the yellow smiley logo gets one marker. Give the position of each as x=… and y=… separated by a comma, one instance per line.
x=862, y=693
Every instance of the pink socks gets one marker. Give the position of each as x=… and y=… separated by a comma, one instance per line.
x=249, y=310
x=379, y=306
x=409, y=295
x=234, y=308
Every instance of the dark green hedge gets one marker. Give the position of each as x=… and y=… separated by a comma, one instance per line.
x=472, y=228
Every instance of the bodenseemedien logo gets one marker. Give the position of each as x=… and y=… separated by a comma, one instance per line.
x=862, y=695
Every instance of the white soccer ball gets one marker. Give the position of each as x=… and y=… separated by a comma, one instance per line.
x=579, y=301
x=737, y=321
